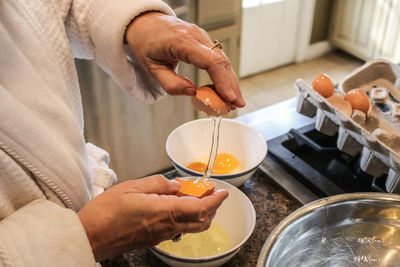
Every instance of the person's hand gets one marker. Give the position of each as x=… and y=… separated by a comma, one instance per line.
x=160, y=41
x=143, y=212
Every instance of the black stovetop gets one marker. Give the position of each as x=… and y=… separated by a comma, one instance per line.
x=314, y=159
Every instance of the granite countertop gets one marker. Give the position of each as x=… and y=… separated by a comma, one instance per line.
x=272, y=205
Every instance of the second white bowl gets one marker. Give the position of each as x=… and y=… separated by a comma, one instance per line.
x=236, y=215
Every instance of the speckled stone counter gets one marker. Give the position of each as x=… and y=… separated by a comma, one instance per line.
x=272, y=205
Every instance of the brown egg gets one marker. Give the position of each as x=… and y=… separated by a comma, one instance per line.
x=208, y=101
x=358, y=99
x=323, y=85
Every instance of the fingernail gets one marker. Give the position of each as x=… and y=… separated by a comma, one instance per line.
x=189, y=91
x=240, y=103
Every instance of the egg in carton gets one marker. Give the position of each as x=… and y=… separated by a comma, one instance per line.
x=375, y=133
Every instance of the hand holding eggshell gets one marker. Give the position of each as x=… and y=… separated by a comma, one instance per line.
x=143, y=212
x=159, y=42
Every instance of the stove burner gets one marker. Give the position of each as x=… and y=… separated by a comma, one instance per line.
x=313, y=158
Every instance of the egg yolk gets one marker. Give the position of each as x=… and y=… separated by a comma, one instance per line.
x=197, y=166
x=225, y=163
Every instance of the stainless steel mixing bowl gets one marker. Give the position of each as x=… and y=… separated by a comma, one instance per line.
x=358, y=229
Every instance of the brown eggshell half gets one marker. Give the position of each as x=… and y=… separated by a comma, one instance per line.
x=208, y=101
x=182, y=194
x=358, y=100
x=338, y=102
x=210, y=189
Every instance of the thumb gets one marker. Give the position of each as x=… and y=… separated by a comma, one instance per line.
x=157, y=184
x=173, y=83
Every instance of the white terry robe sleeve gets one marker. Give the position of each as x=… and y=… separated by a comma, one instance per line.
x=96, y=29
x=44, y=234
x=103, y=176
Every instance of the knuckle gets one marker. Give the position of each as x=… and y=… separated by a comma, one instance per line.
x=204, y=33
x=202, y=213
x=173, y=227
x=220, y=60
x=153, y=69
x=193, y=27
x=206, y=225
x=186, y=34
x=181, y=38
x=215, y=59
x=160, y=179
x=181, y=35
x=172, y=216
x=170, y=229
x=226, y=62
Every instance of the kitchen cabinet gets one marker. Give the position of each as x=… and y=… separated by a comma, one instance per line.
x=367, y=29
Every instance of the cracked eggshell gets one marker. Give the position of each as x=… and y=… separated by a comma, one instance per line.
x=358, y=100
x=338, y=102
x=208, y=101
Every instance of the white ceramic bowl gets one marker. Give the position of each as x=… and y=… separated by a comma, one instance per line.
x=236, y=215
x=192, y=141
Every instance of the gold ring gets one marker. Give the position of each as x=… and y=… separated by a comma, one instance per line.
x=216, y=43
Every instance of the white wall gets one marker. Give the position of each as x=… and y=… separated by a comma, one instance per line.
x=268, y=36
x=276, y=33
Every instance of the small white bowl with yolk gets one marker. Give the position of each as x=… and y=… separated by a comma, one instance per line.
x=241, y=150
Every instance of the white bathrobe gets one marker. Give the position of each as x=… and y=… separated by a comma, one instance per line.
x=47, y=172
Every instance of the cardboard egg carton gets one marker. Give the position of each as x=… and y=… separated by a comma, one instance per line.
x=376, y=135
